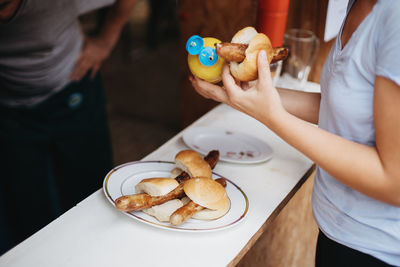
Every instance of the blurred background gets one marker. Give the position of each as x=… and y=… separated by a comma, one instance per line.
x=141, y=78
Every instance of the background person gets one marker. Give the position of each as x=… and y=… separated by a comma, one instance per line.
x=54, y=138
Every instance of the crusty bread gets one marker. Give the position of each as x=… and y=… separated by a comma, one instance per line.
x=163, y=212
x=208, y=214
x=193, y=164
x=247, y=69
x=156, y=186
x=205, y=192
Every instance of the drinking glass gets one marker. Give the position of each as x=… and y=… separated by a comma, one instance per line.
x=303, y=47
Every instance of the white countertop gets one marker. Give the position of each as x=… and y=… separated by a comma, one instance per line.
x=94, y=233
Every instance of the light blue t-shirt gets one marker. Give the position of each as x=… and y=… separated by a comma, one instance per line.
x=347, y=91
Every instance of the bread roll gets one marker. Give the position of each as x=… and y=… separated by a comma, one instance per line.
x=156, y=186
x=193, y=164
x=247, y=69
x=208, y=214
x=208, y=194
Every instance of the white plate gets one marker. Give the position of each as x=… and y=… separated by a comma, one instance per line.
x=233, y=146
x=122, y=179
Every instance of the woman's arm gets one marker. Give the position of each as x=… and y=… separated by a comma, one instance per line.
x=373, y=171
x=387, y=130
x=304, y=105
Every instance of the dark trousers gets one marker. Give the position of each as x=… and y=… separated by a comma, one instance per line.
x=51, y=157
x=332, y=254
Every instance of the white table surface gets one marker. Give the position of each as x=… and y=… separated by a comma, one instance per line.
x=94, y=233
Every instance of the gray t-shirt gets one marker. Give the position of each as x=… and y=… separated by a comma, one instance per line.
x=38, y=49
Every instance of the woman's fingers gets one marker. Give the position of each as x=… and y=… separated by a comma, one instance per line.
x=196, y=87
x=208, y=90
x=248, y=85
x=227, y=78
x=264, y=74
x=231, y=86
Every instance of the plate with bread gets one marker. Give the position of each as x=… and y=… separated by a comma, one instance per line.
x=234, y=146
x=183, y=195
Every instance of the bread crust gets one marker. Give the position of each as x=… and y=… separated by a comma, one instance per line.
x=193, y=163
x=156, y=186
x=247, y=69
x=191, y=209
x=208, y=214
x=205, y=192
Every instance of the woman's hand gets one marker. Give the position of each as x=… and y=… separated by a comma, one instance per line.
x=259, y=99
x=93, y=53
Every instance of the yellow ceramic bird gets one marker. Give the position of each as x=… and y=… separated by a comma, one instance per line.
x=203, y=61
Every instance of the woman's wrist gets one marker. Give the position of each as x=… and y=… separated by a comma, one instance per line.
x=274, y=117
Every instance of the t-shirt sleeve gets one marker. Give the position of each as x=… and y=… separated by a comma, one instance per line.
x=388, y=48
x=85, y=6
